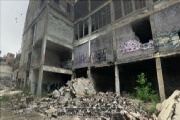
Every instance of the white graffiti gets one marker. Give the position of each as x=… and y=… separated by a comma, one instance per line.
x=134, y=45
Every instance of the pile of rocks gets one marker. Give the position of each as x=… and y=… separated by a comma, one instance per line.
x=79, y=98
x=170, y=108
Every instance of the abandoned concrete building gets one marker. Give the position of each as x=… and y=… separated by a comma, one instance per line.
x=107, y=41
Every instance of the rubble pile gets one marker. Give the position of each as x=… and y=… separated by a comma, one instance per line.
x=8, y=91
x=170, y=108
x=79, y=98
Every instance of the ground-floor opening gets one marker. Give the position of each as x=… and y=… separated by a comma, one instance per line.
x=81, y=72
x=171, y=74
x=53, y=81
x=128, y=75
x=104, y=78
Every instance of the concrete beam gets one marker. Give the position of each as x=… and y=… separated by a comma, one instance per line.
x=160, y=79
x=57, y=70
x=117, y=82
x=60, y=42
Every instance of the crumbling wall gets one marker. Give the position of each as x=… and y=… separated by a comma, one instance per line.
x=81, y=55
x=59, y=29
x=129, y=46
x=167, y=25
x=102, y=49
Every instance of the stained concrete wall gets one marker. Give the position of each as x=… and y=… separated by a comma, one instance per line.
x=40, y=27
x=81, y=55
x=166, y=23
x=102, y=49
x=34, y=9
x=52, y=59
x=36, y=56
x=59, y=29
x=62, y=8
x=129, y=47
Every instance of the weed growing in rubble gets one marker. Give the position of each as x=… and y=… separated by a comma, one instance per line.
x=5, y=98
x=26, y=90
x=144, y=91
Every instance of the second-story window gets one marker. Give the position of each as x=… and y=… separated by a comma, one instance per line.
x=139, y=4
x=118, y=9
x=127, y=6
x=33, y=31
x=68, y=8
x=101, y=18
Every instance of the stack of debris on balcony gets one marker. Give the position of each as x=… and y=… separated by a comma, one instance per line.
x=79, y=98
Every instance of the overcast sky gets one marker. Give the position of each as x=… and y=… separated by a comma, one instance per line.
x=12, y=17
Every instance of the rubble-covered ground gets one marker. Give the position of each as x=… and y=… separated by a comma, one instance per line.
x=79, y=101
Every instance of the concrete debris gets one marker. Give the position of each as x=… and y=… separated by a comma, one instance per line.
x=170, y=108
x=8, y=91
x=79, y=98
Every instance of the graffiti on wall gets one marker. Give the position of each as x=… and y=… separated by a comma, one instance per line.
x=134, y=45
x=172, y=39
x=80, y=59
x=98, y=56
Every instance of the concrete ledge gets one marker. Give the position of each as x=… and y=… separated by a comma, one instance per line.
x=57, y=70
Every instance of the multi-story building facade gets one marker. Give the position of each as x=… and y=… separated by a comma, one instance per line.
x=109, y=41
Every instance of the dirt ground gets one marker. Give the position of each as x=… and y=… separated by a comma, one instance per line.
x=7, y=115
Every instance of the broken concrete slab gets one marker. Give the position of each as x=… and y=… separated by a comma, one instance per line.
x=169, y=107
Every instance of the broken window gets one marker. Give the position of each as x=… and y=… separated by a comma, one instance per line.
x=81, y=9
x=101, y=18
x=142, y=29
x=68, y=8
x=76, y=28
x=118, y=9
x=96, y=3
x=33, y=33
x=85, y=27
x=80, y=29
x=56, y=1
x=127, y=6
x=139, y=4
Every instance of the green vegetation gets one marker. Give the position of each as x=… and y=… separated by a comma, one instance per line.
x=26, y=90
x=5, y=98
x=144, y=91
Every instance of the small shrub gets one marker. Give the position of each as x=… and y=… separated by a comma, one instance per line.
x=144, y=91
x=5, y=98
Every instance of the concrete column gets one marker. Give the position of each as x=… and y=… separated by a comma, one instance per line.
x=160, y=79
x=133, y=5
x=112, y=11
x=122, y=5
x=117, y=82
x=89, y=19
x=40, y=78
x=89, y=74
